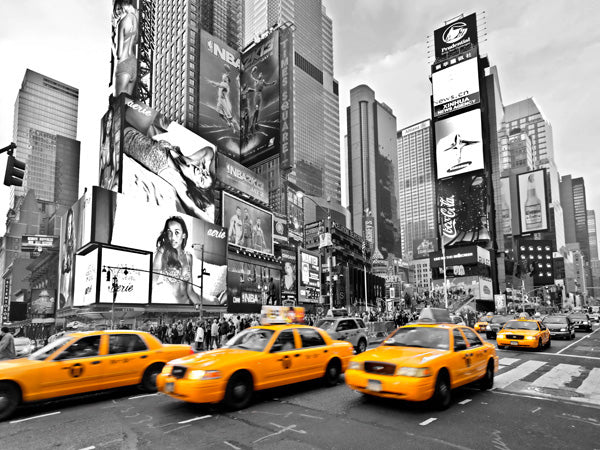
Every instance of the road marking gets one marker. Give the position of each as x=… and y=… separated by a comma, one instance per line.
x=176, y=429
x=508, y=361
x=576, y=342
x=282, y=429
x=464, y=402
x=91, y=447
x=194, y=419
x=515, y=374
x=232, y=446
x=311, y=417
x=142, y=396
x=591, y=385
x=536, y=410
x=428, y=421
x=559, y=376
x=35, y=417
x=574, y=356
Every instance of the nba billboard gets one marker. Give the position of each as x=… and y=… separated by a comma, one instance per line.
x=455, y=36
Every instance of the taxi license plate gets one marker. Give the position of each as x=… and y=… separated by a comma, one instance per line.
x=374, y=385
x=514, y=343
x=169, y=387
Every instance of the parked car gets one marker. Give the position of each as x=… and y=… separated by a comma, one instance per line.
x=350, y=329
x=560, y=326
x=581, y=321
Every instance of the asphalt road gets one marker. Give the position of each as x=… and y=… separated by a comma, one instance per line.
x=547, y=399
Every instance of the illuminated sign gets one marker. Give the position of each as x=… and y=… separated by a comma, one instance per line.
x=31, y=243
x=309, y=276
x=456, y=86
x=455, y=36
x=533, y=206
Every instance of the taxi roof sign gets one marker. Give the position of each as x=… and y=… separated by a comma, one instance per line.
x=272, y=315
x=435, y=315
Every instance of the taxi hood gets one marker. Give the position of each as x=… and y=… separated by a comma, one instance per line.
x=523, y=332
x=215, y=357
x=401, y=356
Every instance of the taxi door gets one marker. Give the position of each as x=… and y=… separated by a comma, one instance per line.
x=126, y=359
x=480, y=354
x=460, y=367
x=314, y=353
x=282, y=364
x=78, y=368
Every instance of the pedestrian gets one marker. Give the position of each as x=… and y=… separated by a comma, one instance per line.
x=214, y=334
x=180, y=332
x=199, y=338
x=7, y=344
x=223, y=330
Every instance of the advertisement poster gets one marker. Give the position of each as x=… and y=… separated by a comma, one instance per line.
x=248, y=226
x=280, y=229
x=6, y=300
x=463, y=209
x=286, y=106
x=289, y=285
x=423, y=247
x=455, y=36
x=456, y=86
x=42, y=302
x=178, y=243
x=259, y=100
x=533, y=207
x=506, y=210
x=110, y=149
x=465, y=288
x=241, y=178
x=251, y=286
x=165, y=164
x=219, y=94
x=124, y=48
x=133, y=286
x=309, y=276
x=86, y=278
x=459, y=144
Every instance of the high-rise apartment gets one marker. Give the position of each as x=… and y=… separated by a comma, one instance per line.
x=373, y=171
x=416, y=189
x=591, y=221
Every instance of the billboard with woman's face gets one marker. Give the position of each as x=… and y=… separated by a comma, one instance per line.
x=289, y=285
x=249, y=226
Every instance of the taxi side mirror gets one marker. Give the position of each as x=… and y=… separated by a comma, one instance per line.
x=459, y=346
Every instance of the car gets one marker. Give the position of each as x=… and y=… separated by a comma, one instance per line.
x=424, y=362
x=560, y=326
x=581, y=321
x=82, y=362
x=495, y=325
x=482, y=323
x=524, y=333
x=261, y=357
x=351, y=329
x=23, y=346
x=457, y=320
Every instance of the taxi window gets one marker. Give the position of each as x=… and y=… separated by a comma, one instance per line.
x=284, y=342
x=85, y=347
x=459, y=341
x=423, y=337
x=125, y=343
x=521, y=325
x=254, y=339
x=472, y=338
x=310, y=338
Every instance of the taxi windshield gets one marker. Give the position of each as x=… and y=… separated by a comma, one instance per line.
x=425, y=337
x=518, y=325
x=326, y=324
x=254, y=339
x=47, y=350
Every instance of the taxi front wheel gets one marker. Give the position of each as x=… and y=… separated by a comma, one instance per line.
x=239, y=391
x=9, y=400
x=442, y=395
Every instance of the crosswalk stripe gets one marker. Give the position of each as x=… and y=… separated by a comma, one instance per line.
x=591, y=385
x=508, y=361
x=509, y=377
x=558, y=376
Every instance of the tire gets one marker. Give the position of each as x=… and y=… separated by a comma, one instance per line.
x=9, y=399
x=540, y=346
x=487, y=382
x=332, y=373
x=239, y=391
x=442, y=395
x=149, y=378
x=362, y=346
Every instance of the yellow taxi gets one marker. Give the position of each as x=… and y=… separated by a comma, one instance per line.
x=482, y=323
x=257, y=358
x=424, y=361
x=524, y=333
x=82, y=362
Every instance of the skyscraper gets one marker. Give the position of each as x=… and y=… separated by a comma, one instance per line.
x=591, y=220
x=373, y=172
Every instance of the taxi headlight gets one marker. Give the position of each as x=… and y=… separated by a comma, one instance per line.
x=355, y=365
x=417, y=372
x=501, y=336
x=166, y=370
x=531, y=338
x=488, y=328
x=204, y=375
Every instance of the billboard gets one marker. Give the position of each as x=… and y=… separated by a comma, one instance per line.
x=110, y=149
x=86, y=278
x=6, y=300
x=133, y=286
x=309, y=276
x=423, y=247
x=455, y=85
x=179, y=244
x=43, y=302
x=533, y=207
x=286, y=94
x=463, y=209
x=280, y=229
x=455, y=36
x=259, y=100
x=251, y=285
x=459, y=144
x=289, y=285
x=124, y=51
x=241, y=178
x=506, y=211
x=249, y=226
x=467, y=255
x=37, y=242
x=219, y=94
x=464, y=288
x=165, y=164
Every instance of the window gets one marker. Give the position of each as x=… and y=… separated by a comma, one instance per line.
x=310, y=338
x=284, y=342
x=125, y=343
x=459, y=341
x=346, y=325
x=84, y=348
x=472, y=338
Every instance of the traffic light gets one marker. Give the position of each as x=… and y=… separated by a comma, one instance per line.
x=15, y=171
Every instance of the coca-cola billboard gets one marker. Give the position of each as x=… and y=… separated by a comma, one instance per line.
x=463, y=209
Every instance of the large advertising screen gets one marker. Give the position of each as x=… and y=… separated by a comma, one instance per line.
x=110, y=149
x=86, y=278
x=506, y=210
x=133, y=286
x=289, y=285
x=259, y=100
x=250, y=286
x=124, y=49
x=241, y=178
x=42, y=302
x=463, y=209
x=423, y=247
x=309, y=276
x=533, y=207
x=454, y=36
x=465, y=288
x=219, y=92
x=467, y=255
x=456, y=86
x=179, y=244
x=286, y=106
x=165, y=164
x=459, y=144
x=248, y=226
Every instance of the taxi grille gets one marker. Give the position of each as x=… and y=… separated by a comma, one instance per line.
x=380, y=368
x=178, y=371
x=514, y=336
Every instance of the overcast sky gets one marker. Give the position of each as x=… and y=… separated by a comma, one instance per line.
x=546, y=49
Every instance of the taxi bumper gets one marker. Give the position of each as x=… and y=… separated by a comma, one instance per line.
x=528, y=343
x=398, y=387
x=192, y=391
